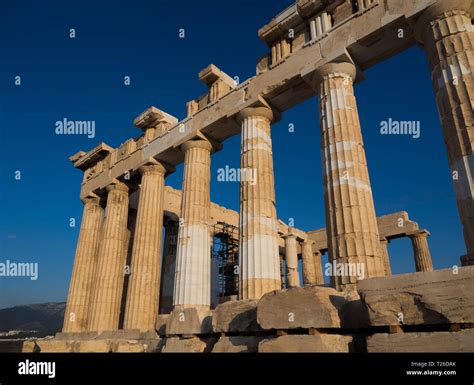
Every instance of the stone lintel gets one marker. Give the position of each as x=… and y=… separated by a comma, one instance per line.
x=391, y=226
x=293, y=17
x=83, y=160
x=300, y=235
x=420, y=233
x=153, y=117
x=211, y=74
x=78, y=155
x=282, y=86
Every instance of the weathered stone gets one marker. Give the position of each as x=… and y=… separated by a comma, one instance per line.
x=438, y=297
x=462, y=341
x=184, y=345
x=127, y=335
x=237, y=344
x=161, y=321
x=129, y=347
x=50, y=345
x=29, y=347
x=309, y=307
x=93, y=346
x=306, y=344
x=235, y=316
x=189, y=321
x=76, y=335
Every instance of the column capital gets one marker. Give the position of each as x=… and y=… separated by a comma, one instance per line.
x=436, y=10
x=317, y=252
x=335, y=69
x=116, y=185
x=262, y=111
x=91, y=198
x=289, y=236
x=204, y=144
x=419, y=233
x=152, y=168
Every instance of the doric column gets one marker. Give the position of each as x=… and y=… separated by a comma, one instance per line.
x=318, y=267
x=385, y=255
x=421, y=250
x=309, y=272
x=351, y=223
x=168, y=266
x=144, y=284
x=446, y=31
x=111, y=260
x=193, y=262
x=80, y=288
x=291, y=258
x=258, y=244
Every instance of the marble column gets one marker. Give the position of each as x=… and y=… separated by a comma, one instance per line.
x=309, y=272
x=258, y=243
x=351, y=222
x=111, y=260
x=168, y=266
x=80, y=288
x=421, y=251
x=144, y=284
x=446, y=31
x=318, y=268
x=193, y=261
x=385, y=256
x=291, y=258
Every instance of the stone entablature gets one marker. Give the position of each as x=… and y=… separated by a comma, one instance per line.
x=282, y=87
x=391, y=226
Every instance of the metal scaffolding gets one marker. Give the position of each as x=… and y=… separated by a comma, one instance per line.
x=225, y=249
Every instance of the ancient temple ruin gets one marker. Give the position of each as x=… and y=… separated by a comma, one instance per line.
x=219, y=280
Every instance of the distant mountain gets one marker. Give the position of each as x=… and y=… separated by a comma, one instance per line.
x=44, y=319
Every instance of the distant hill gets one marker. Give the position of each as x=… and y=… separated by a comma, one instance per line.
x=46, y=319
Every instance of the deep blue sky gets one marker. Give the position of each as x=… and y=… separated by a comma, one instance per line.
x=82, y=79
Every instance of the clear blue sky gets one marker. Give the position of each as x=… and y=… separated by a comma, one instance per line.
x=82, y=79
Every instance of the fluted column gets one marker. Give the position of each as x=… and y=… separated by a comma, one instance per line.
x=351, y=223
x=446, y=31
x=421, y=251
x=168, y=266
x=309, y=273
x=193, y=262
x=318, y=268
x=80, y=287
x=144, y=285
x=111, y=260
x=258, y=243
x=291, y=257
x=385, y=256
